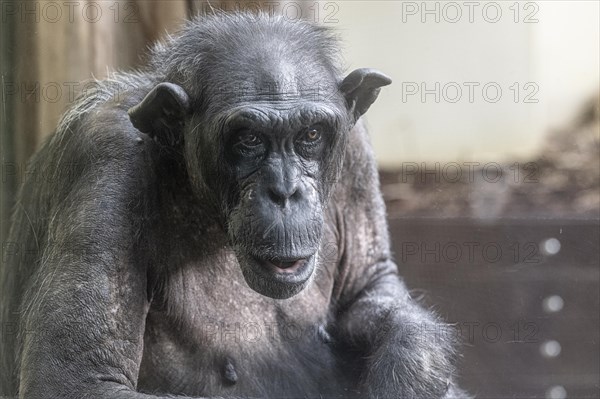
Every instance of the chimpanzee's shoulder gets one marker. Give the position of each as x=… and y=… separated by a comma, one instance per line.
x=101, y=108
x=96, y=127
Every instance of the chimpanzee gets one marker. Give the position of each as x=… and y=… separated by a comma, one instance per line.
x=212, y=225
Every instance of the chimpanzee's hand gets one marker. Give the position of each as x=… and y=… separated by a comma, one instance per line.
x=410, y=361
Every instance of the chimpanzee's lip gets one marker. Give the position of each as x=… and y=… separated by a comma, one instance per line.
x=286, y=266
x=284, y=270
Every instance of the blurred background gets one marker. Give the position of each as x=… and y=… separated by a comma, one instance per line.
x=488, y=143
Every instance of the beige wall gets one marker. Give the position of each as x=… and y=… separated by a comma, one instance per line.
x=558, y=55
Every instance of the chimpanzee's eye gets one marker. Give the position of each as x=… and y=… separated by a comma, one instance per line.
x=248, y=139
x=311, y=135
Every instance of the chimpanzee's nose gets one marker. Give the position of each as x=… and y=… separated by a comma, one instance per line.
x=282, y=180
x=282, y=191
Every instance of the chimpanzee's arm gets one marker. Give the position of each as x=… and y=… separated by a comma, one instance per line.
x=408, y=350
x=85, y=308
x=84, y=314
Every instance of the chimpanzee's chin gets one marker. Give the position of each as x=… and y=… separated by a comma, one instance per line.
x=277, y=278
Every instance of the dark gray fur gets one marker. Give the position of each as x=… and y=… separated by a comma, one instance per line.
x=134, y=277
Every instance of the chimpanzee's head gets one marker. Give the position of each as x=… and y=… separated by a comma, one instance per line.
x=262, y=114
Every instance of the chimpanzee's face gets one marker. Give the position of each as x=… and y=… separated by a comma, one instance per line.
x=272, y=169
x=279, y=161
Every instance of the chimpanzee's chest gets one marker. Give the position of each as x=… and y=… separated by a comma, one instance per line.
x=214, y=336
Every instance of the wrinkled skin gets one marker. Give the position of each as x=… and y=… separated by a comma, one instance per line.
x=211, y=229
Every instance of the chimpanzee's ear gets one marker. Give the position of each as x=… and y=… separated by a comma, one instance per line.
x=361, y=88
x=161, y=113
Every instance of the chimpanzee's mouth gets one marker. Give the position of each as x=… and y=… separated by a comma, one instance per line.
x=278, y=278
x=284, y=270
x=282, y=265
